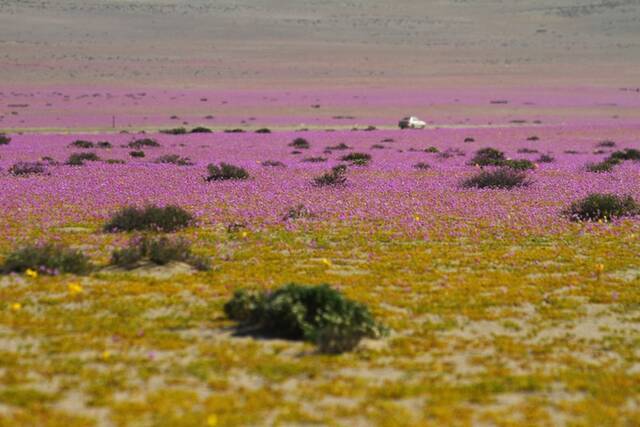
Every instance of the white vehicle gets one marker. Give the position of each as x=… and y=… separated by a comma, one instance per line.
x=412, y=123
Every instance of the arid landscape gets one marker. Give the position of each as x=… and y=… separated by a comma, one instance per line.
x=209, y=215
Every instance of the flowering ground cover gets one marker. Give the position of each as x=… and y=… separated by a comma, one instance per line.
x=502, y=310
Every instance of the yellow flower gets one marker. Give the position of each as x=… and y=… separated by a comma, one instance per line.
x=599, y=268
x=31, y=273
x=106, y=355
x=16, y=306
x=74, y=288
x=326, y=262
x=244, y=234
x=416, y=217
x=212, y=421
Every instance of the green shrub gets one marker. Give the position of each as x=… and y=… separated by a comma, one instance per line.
x=503, y=178
x=143, y=142
x=78, y=159
x=174, y=131
x=488, y=157
x=237, y=130
x=263, y=130
x=626, y=154
x=104, y=144
x=422, y=166
x=546, y=158
x=606, y=143
x=603, y=166
x=80, y=143
x=297, y=212
x=273, y=163
x=225, y=172
x=201, y=129
x=519, y=164
x=4, y=139
x=137, y=154
x=27, y=168
x=46, y=258
x=318, y=314
x=358, y=159
x=314, y=159
x=431, y=149
x=300, y=143
x=160, y=251
x=151, y=218
x=597, y=206
x=115, y=162
x=174, y=159
x=341, y=146
x=337, y=176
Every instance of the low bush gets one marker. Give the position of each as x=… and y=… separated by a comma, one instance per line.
x=4, y=139
x=606, y=144
x=519, y=164
x=341, y=146
x=317, y=314
x=150, y=218
x=314, y=159
x=80, y=143
x=263, y=130
x=603, y=166
x=175, y=160
x=488, y=157
x=236, y=130
x=599, y=206
x=501, y=178
x=143, y=142
x=527, y=151
x=115, y=162
x=431, y=149
x=27, y=168
x=174, y=131
x=546, y=158
x=273, y=163
x=336, y=176
x=160, y=251
x=137, y=154
x=422, y=166
x=358, y=159
x=46, y=258
x=297, y=212
x=300, y=143
x=469, y=139
x=226, y=172
x=104, y=144
x=533, y=138
x=201, y=129
x=78, y=159
x=450, y=152
x=378, y=147
x=626, y=154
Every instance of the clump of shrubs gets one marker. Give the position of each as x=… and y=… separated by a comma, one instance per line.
x=606, y=144
x=104, y=144
x=626, y=154
x=501, y=178
x=115, y=162
x=599, y=206
x=297, y=212
x=150, y=218
x=546, y=158
x=46, y=258
x=4, y=139
x=341, y=146
x=201, y=129
x=422, y=166
x=159, y=251
x=300, y=143
x=263, y=130
x=273, y=163
x=358, y=159
x=78, y=159
x=236, y=130
x=336, y=176
x=488, y=157
x=314, y=159
x=431, y=149
x=81, y=143
x=603, y=166
x=174, y=131
x=137, y=154
x=318, y=314
x=143, y=142
x=174, y=159
x=226, y=171
x=519, y=164
x=27, y=168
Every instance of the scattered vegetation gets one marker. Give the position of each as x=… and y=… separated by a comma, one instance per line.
x=4, y=139
x=501, y=178
x=488, y=157
x=317, y=314
x=300, y=143
x=174, y=159
x=519, y=164
x=314, y=159
x=358, y=159
x=603, y=166
x=137, y=154
x=150, y=218
x=602, y=207
x=201, y=129
x=606, y=144
x=174, y=131
x=626, y=154
x=104, y=144
x=81, y=143
x=431, y=149
x=546, y=158
x=143, y=142
x=263, y=130
x=273, y=163
x=336, y=176
x=46, y=258
x=78, y=159
x=159, y=250
x=422, y=166
x=297, y=212
x=27, y=168
x=226, y=171
x=341, y=146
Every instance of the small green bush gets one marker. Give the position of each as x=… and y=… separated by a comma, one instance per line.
x=137, y=154
x=603, y=166
x=314, y=159
x=273, y=163
x=598, y=206
x=519, y=164
x=143, y=142
x=151, y=218
x=226, y=172
x=263, y=130
x=104, y=144
x=626, y=154
x=358, y=159
x=236, y=130
x=174, y=159
x=27, y=168
x=337, y=176
x=318, y=314
x=422, y=166
x=546, y=158
x=488, y=157
x=502, y=178
x=431, y=149
x=341, y=146
x=160, y=251
x=78, y=159
x=4, y=139
x=174, y=131
x=300, y=143
x=46, y=258
x=115, y=162
x=606, y=143
x=201, y=129
x=80, y=143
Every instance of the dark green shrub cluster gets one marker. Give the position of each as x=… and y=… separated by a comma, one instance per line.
x=519, y=164
x=225, y=172
x=103, y=144
x=501, y=178
x=546, y=158
x=27, y=168
x=137, y=154
x=174, y=159
x=78, y=159
x=160, y=251
x=451, y=152
x=626, y=154
x=201, y=129
x=603, y=166
x=431, y=149
x=606, y=144
x=488, y=157
x=422, y=166
x=358, y=159
x=297, y=212
x=150, y=218
x=336, y=176
x=300, y=143
x=174, y=131
x=115, y=162
x=46, y=258
x=4, y=139
x=143, y=142
x=317, y=314
x=341, y=146
x=533, y=138
x=314, y=159
x=273, y=163
x=598, y=206
x=263, y=130
x=236, y=130
x=81, y=143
